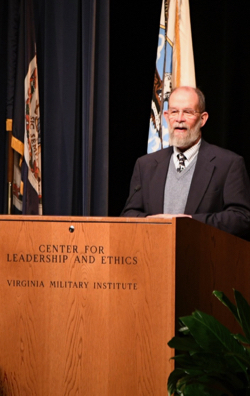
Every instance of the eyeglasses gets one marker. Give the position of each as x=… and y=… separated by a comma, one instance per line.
x=188, y=113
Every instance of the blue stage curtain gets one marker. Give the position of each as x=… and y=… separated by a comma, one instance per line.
x=73, y=61
x=73, y=70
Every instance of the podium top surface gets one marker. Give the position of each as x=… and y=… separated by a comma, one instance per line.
x=86, y=219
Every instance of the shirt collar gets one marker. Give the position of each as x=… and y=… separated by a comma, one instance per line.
x=189, y=153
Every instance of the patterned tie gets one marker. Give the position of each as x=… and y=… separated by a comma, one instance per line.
x=181, y=158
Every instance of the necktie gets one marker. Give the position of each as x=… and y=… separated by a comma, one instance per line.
x=181, y=158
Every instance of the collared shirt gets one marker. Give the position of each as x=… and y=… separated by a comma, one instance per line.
x=190, y=154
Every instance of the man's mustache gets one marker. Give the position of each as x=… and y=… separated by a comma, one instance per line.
x=180, y=125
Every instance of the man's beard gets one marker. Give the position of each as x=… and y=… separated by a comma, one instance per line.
x=191, y=137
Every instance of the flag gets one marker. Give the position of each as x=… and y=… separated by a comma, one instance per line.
x=23, y=109
x=174, y=66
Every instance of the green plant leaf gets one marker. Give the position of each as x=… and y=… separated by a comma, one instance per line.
x=225, y=301
x=200, y=390
x=184, y=330
x=173, y=379
x=219, y=378
x=243, y=312
x=207, y=362
x=185, y=343
x=184, y=361
x=228, y=382
x=242, y=339
x=211, y=335
x=212, y=382
x=211, y=362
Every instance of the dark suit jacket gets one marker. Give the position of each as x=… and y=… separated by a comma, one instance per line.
x=219, y=194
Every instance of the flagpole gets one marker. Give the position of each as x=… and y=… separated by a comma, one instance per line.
x=10, y=165
x=164, y=68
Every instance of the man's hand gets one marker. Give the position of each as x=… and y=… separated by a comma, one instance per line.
x=168, y=216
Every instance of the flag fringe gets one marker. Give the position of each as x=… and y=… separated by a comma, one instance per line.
x=9, y=124
x=17, y=145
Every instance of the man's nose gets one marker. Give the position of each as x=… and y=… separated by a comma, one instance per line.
x=180, y=116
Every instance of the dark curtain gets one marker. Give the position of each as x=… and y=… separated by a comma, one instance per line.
x=3, y=133
x=74, y=47
x=73, y=71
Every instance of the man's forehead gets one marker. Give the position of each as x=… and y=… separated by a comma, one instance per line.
x=184, y=95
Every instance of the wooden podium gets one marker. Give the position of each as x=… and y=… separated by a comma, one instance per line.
x=89, y=304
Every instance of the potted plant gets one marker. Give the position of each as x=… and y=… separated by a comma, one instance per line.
x=211, y=361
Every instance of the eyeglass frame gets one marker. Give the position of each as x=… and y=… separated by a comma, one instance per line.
x=184, y=112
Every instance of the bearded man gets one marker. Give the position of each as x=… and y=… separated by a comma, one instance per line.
x=191, y=177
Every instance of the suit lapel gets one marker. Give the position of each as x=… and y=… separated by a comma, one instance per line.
x=202, y=175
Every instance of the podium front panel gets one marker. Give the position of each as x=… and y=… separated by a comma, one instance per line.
x=87, y=306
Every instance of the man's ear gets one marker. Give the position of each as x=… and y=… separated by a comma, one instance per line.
x=165, y=113
x=204, y=118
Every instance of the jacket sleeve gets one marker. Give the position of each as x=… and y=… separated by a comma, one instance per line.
x=134, y=206
x=234, y=216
